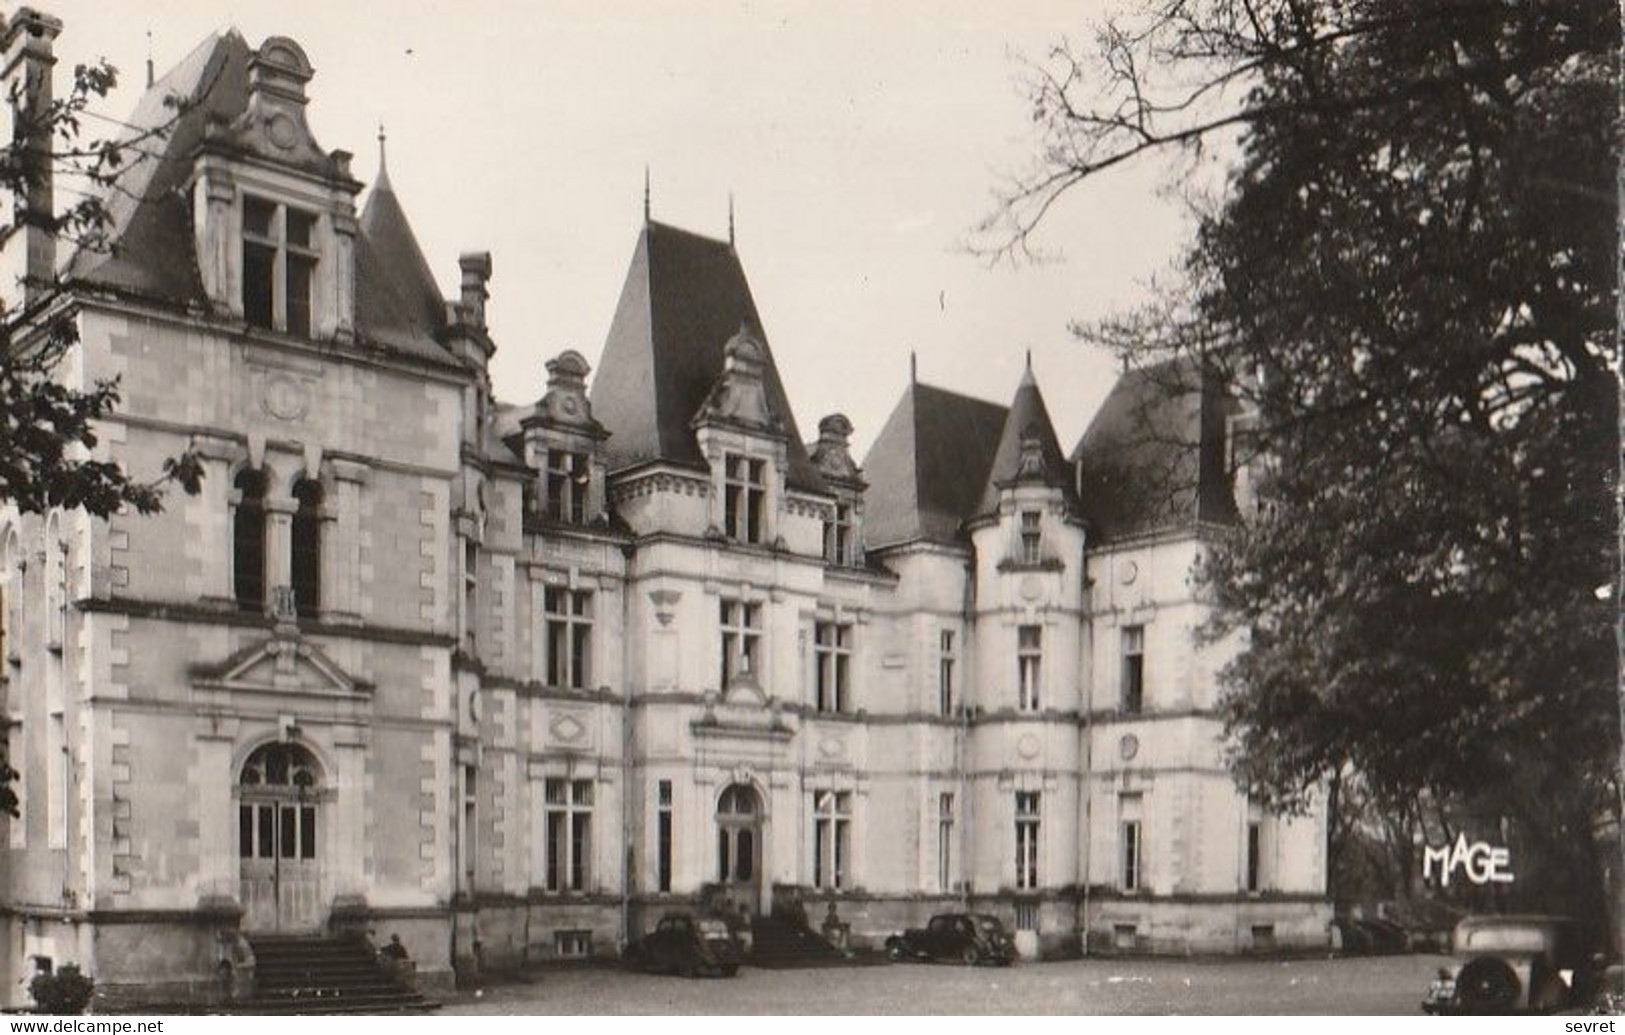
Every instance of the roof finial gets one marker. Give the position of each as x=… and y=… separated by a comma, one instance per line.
x=381, y=138
x=149, y=59
x=645, y=193
x=730, y=219
x=1029, y=359
x=913, y=367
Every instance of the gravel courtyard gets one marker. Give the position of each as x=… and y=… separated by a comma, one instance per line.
x=1385, y=985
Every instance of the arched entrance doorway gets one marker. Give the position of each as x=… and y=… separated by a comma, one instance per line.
x=279, y=847
x=739, y=847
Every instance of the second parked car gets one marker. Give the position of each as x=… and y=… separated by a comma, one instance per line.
x=689, y=945
x=969, y=938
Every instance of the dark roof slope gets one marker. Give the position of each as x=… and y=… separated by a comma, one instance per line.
x=1027, y=413
x=152, y=252
x=1154, y=456
x=397, y=300
x=684, y=297
x=928, y=465
x=150, y=224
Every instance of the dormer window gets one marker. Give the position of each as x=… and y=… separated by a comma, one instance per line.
x=744, y=493
x=567, y=477
x=838, y=536
x=279, y=266
x=1032, y=537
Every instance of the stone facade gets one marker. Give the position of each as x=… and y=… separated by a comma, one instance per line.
x=511, y=682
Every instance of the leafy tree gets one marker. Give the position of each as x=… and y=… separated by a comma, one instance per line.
x=47, y=428
x=1408, y=280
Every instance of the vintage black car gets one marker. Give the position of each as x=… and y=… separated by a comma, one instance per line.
x=688, y=945
x=968, y=938
x=1511, y=964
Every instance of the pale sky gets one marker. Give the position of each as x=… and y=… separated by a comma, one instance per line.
x=861, y=141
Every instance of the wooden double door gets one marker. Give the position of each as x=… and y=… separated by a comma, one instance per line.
x=279, y=841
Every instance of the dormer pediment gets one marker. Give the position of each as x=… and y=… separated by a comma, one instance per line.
x=273, y=127
x=739, y=398
x=281, y=664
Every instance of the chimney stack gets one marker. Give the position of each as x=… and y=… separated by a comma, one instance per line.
x=30, y=253
x=476, y=267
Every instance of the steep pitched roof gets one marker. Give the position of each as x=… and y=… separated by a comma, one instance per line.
x=684, y=297
x=1154, y=456
x=1027, y=415
x=149, y=215
x=152, y=252
x=397, y=300
x=928, y=465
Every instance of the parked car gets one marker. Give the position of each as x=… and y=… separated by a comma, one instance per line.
x=1510, y=964
x=969, y=938
x=688, y=945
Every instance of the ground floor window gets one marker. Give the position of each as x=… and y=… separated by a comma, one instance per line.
x=1027, y=821
x=572, y=944
x=663, y=834
x=832, y=837
x=1131, y=855
x=568, y=830
x=945, y=842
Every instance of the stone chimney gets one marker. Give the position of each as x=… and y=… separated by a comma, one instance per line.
x=832, y=454
x=30, y=253
x=476, y=267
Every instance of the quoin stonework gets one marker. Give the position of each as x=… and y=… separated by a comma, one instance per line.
x=513, y=681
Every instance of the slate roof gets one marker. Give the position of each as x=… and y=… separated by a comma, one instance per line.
x=397, y=302
x=153, y=253
x=1027, y=413
x=684, y=297
x=150, y=221
x=927, y=467
x=1154, y=456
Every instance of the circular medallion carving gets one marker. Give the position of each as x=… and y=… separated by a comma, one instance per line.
x=1127, y=572
x=570, y=407
x=282, y=131
x=1128, y=747
x=1031, y=588
x=286, y=398
x=1027, y=746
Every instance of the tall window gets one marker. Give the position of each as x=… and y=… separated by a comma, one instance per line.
x=1133, y=668
x=56, y=790
x=569, y=834
x=1255, y=856
x=307, y=547
x=663, y=833
x=945, y=842
x=248, y=541
x=1027, y=824
x=279, y=266
x=945, y=673
x=471, y=594
x=838, y=539
x=1032, y=540
x=832, y=652
x=11, y=616
x=744, y=495
x=1131, y=854
x=17, y=825
x=567, y=475
x=569, y=636
x=1029, y=665
x=471, y=823
x=741, y=639
x=56, y=582
x=832, y=835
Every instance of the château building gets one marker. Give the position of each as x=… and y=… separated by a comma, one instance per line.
x=513, y=681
